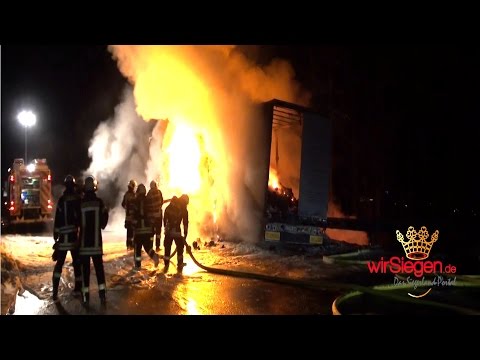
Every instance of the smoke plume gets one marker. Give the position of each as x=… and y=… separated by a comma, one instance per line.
x=119, y=152
x=191, y=123
x=211, y=90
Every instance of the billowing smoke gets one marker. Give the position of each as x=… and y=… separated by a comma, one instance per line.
x=119, y=152
x=211, y=90
x=192, y=123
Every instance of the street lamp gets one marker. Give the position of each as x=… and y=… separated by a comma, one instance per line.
x=27, y=119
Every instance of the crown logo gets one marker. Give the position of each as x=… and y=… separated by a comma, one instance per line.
x=417, y=247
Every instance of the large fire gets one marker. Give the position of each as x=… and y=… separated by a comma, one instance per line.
x=187, y=169
x=190, y=157
x=183, y=154
x=205, y=94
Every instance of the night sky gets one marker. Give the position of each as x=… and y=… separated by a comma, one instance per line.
x=405, y=117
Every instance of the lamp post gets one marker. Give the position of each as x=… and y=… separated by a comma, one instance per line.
x=27, y=119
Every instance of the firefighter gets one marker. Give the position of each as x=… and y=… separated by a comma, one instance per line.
x=127, y=202
x=143, y=228
x=155, y=203
x=65, y=234
x=175, y=213
x=94, y=218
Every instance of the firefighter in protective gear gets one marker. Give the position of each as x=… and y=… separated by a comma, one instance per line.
x=155, y=203
x=175, y=213
x=65, y=234
x=94, y=218
x=143, y=228
x=127, y=204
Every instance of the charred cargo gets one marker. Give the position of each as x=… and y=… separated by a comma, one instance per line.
x=299, y=168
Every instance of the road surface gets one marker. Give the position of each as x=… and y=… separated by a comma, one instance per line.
x=196, y=292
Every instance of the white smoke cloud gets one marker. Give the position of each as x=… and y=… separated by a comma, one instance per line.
x=234, y=85
x=127, y=147
x=119, y=152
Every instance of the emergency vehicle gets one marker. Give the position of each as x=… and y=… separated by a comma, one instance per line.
x=28, y=192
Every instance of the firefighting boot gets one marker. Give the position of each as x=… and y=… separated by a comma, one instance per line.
x=78, y=287
x=103, y=298
x=137, y=257
x=56, y=283
x=180, y=264
x=154, y=256
x=166, y=261
x=86, y=299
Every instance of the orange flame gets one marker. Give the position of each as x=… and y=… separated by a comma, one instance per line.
x=204, y=92
x=187, y=169
x=190, y=158
x=184, y=155
x=273, y=182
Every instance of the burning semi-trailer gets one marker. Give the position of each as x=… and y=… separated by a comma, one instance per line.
x=297, y=194
x=218, y=137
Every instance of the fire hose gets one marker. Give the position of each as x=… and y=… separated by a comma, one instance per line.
x=380, y=291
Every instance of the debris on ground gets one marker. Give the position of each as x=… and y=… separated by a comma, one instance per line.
x=196, y=245
x=11, y=284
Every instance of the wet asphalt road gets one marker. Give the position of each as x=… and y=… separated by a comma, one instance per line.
x=151, y=292
x=211, y=295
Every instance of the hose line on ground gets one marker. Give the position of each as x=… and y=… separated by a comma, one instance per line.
x=316, y=285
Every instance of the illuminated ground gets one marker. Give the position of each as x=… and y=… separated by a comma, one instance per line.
x=195, y=292
x=150, y=292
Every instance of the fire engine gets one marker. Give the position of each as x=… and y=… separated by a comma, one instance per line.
x=29, y=192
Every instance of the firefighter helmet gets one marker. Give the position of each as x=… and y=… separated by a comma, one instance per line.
x=141, y=190
x=69, y=181
x=153, y=184
x=184, y=199
x=91, y=183
x=132, y=184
